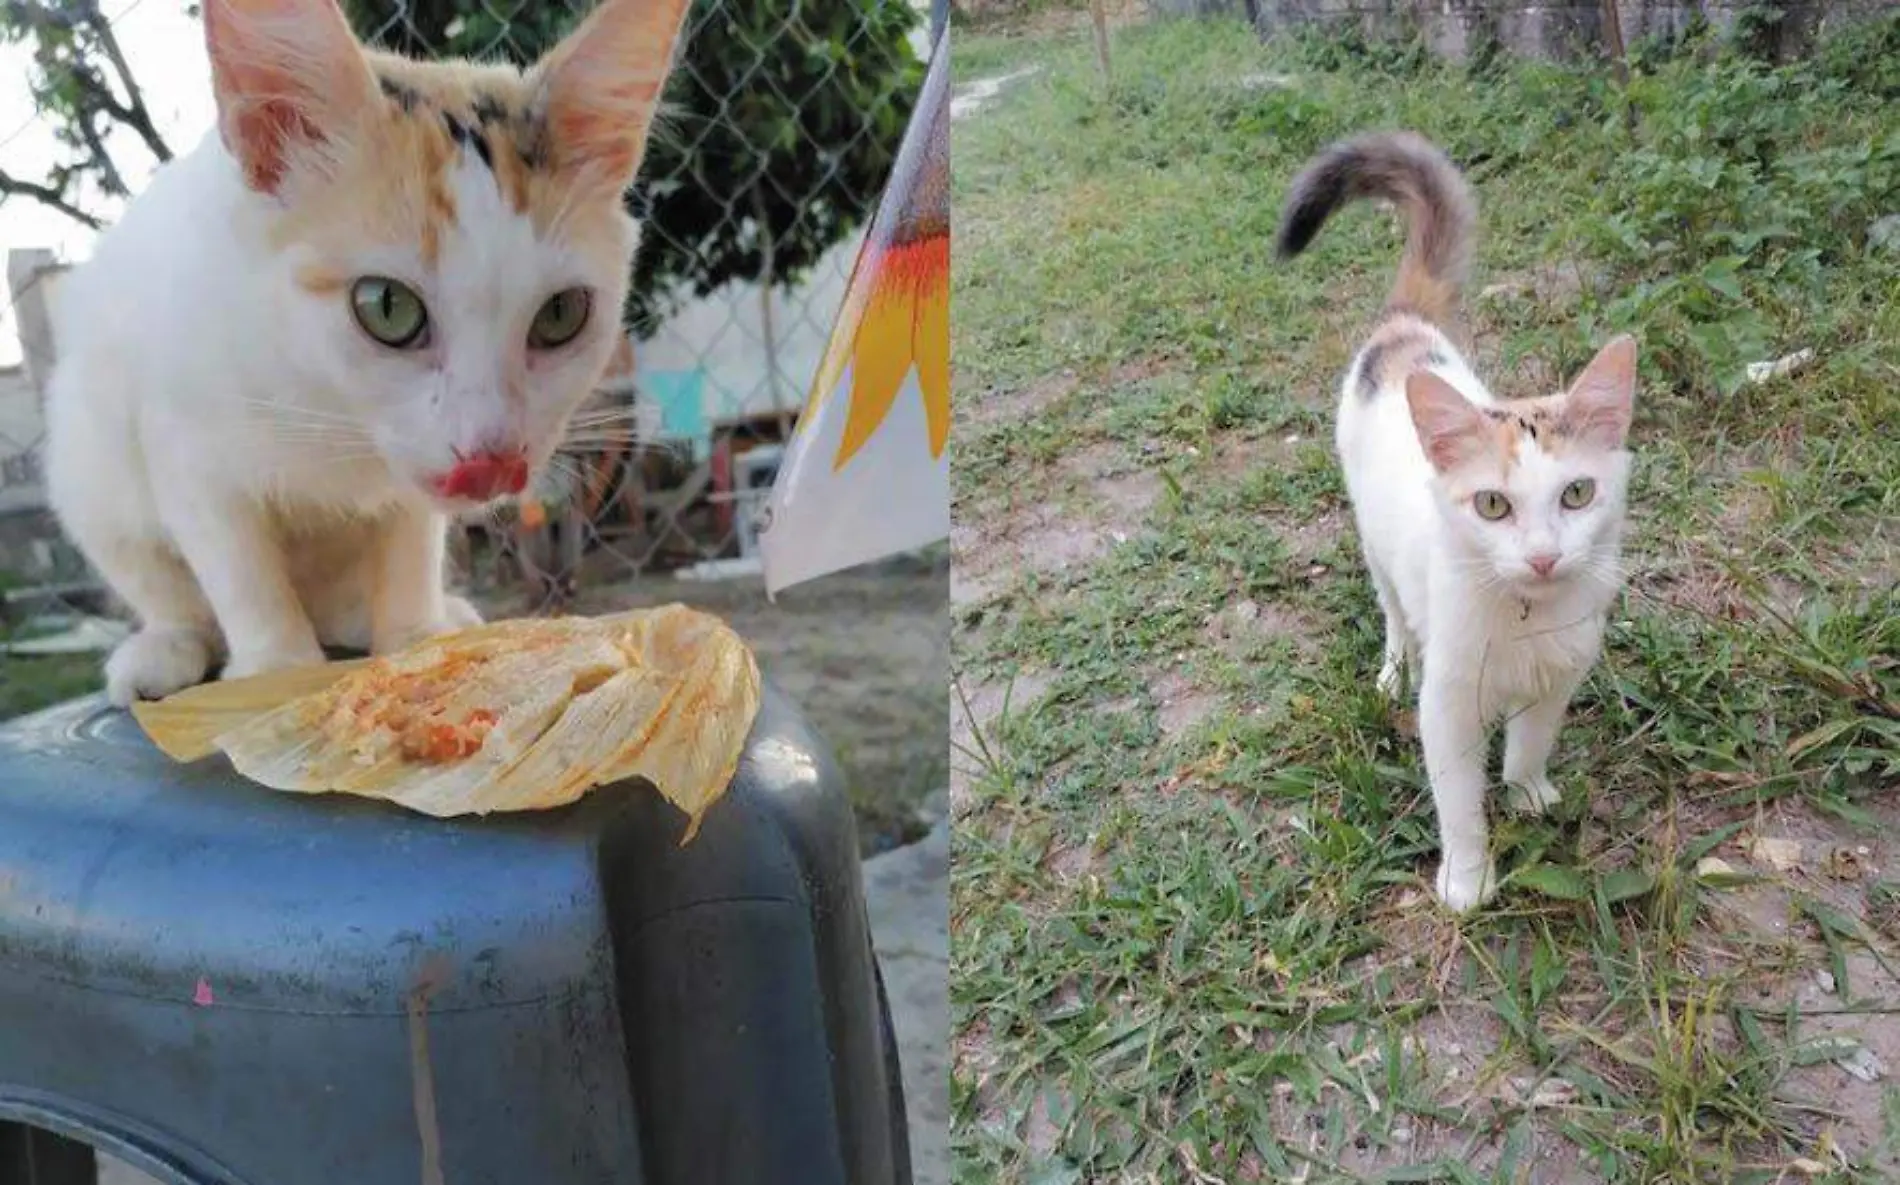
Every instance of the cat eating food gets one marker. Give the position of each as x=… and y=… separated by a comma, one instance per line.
x=371, y=299
x=1492, y=528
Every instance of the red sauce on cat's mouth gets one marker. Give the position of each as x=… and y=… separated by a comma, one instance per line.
x=484, y=476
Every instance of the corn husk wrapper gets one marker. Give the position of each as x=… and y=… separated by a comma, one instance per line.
x=508, y=716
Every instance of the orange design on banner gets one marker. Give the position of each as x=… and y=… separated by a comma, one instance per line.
x=896, y=313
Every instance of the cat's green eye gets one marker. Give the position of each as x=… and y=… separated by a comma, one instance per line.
x=1490, y=505
x=389, y=311
x=561, y=319
x=1578, y=493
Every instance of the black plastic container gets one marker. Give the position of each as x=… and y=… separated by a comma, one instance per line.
x=221, y=984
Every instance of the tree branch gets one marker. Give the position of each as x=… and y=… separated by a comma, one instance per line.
x=133, y=115
x=109, y=178
x=46, y=195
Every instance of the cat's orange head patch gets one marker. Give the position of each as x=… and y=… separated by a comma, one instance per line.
x=363, y=145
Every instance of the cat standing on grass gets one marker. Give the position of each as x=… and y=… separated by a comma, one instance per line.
x=1492, y=528
x=371, y=299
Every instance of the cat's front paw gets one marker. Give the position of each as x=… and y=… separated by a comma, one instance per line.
x=262, y=660
x=457, y=614
x=1532, y=796
x=460, y=613
x=152, y=664
x=1465, y=889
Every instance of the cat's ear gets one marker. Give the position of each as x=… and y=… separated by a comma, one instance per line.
x=289, y=77
x=1450, y=429
x=600, y=86
x=1598, y=406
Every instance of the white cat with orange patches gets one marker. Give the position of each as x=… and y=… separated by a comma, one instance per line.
x=371, y=299
x=1492, y=528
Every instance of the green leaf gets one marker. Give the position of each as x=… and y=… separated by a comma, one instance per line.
x=1551, y=880
x=1625, y=883
x=1704, y=844
x=1822, y=1049
x=1056, y=1172
x=1722, y=280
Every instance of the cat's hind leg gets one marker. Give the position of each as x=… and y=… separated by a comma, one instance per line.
x=1401, y=647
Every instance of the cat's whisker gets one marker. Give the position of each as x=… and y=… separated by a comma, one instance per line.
x=618, y=411
x=605, y=438
x=301, y=432
x=277, y=410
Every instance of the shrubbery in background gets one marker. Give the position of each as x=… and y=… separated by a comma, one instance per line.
x=782, y=119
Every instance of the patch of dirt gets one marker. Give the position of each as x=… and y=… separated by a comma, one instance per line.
x=1179, y=705
x=1452, y=1054
x=1236, y=456
x=967, y=589
x=1835, y=864
x=1874, y=560
x=1103, y=501
x=1070, y=863
x=1710, y=592
x=1830, y=1098
x=997, y=406
x=1241, y=627
x=1563, y=283
x=973, y=1059
x=1316, y=541
x=1063, y=516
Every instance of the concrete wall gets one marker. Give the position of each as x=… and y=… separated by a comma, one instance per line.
x=31, y=278
x=1564, y=29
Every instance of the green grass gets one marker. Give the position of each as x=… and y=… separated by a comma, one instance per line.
x=1193, y=939
x=29, y=683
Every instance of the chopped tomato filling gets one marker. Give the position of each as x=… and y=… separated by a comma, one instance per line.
x=436, y=740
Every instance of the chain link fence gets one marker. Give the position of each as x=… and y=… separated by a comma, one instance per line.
x=775, y=140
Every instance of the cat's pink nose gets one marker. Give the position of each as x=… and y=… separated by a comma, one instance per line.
x=484, y=476
x=1543, y=564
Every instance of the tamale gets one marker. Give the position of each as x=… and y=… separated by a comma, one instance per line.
x=509, y=716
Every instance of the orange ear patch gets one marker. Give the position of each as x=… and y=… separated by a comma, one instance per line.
x=287, y=74
x=1450, y=427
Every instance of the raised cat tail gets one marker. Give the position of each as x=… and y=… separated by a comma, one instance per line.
x=1408, y=170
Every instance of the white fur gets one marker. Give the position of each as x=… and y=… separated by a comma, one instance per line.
x=1461, y=601
x=248, y=469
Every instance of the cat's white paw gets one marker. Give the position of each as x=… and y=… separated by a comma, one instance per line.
x=152, y=664
x=1464, y=889
x=262, y=660
x=457, y=614
x=458, y=611
x=1532, y=796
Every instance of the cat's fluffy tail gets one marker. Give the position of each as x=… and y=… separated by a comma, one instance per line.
x=1408, y=170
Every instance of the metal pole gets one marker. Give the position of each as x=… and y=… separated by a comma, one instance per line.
x=939, y=19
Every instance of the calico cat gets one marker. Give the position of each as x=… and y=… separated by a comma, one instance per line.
x=372, y=298
x=1492, y=528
